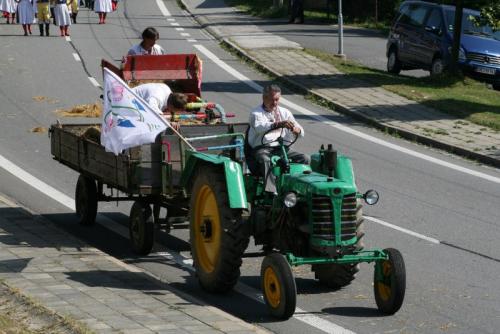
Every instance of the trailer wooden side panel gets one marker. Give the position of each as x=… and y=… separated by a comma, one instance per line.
x=135, y=171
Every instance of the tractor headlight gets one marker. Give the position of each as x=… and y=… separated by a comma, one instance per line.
x=371, y=197
x=290, y=200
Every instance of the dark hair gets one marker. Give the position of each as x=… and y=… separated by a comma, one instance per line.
x=150, y=33
x=177, y=100
x=273, y=88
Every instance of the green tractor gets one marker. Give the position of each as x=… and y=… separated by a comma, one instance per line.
x=315, y=218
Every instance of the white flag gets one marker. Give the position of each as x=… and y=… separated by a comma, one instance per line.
x=127, y=120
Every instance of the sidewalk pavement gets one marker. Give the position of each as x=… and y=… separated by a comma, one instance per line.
x=73, y=279
x=373, y=105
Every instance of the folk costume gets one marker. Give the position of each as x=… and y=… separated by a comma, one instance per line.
x=102, y=8
x=63, y=19
x=9, y=9
x=73, y=5
x=26, y=15
x=43, y=15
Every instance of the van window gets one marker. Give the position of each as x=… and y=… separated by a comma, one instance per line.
x=435, y=20
x=417, y=15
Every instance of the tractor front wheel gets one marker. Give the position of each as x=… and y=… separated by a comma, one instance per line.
x=217, y=235
x=390, y=282
x=278, y=286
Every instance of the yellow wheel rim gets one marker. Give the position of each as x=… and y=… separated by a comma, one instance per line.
x=384, y=290
x=272, y=288
x=207, y=229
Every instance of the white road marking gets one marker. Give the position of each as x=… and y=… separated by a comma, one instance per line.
x=341, y=127
x=179, y=29
x=185, y=34
x=68, y=39
x=39, y=185
x=163, y=9
x=174, y=24
x=192, y=40
x=94, y=82
x=171, y=20
x=403, y=230
x=76, y=56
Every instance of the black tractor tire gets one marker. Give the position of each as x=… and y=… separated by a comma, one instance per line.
x=218, y=236
x=336, y=276
x=437, y=67
x=278, y=286
x=390, y=287
x=393, y=63
x=141, y=228
x=86, y=200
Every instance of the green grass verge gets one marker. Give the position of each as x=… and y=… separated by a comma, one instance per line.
x=262, y=8
x=461, y=97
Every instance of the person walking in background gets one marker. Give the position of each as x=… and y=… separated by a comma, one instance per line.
x=9, y=8
x=296, y=11
x=43, y=15
x=63, y=20
x=102, y=8
x=148, y=45
x=74, y=6
x=26, y=15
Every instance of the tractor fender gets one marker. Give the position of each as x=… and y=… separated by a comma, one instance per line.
x=232, y=171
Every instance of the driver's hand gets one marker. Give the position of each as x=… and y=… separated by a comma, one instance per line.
x=175, y=125
x=296, y=130
x=286, y=124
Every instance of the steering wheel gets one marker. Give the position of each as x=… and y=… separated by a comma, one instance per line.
x=286, y=143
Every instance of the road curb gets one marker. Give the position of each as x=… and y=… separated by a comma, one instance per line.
x=412, y=136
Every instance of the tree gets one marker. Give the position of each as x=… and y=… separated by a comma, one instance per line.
x=457, y=31
x=490, y=15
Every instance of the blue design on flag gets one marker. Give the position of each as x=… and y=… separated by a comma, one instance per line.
x=125, y=123
x=138, y=105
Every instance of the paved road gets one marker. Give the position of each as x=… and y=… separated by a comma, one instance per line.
x=451, y=284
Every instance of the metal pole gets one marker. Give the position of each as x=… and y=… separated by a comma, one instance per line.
x=341, y=30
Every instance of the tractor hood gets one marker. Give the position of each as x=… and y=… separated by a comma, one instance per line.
x=317, y=184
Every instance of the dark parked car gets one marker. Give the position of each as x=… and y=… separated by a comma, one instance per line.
x=422, y=36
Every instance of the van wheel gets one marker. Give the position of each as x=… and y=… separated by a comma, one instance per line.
x=437, y=67
x=393, y=63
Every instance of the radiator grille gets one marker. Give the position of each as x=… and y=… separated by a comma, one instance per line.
x=483, y=58
x=322, y=218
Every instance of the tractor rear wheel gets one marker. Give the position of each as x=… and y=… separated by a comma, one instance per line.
x=217, y=235
x=278, y=286
x=389, y=282
x=336, y=276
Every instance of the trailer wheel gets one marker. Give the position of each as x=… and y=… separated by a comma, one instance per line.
x=218, y=236
x=86, y=200
x=390, y=282
x=141, y=228
x=336, y=276
x=278, y=286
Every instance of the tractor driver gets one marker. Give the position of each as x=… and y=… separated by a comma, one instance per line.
x=269, y=115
